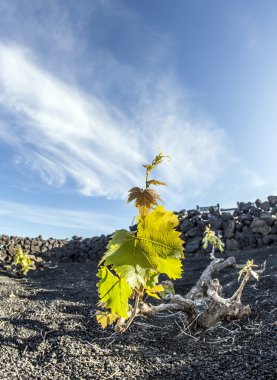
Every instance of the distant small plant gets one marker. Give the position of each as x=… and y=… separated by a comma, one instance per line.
x=22, y=263
x=248, y=270
x=215, y=241
x=134, y=260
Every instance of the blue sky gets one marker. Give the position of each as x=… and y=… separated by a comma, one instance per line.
x=90, y=90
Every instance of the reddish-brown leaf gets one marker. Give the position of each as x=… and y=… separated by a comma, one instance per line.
x=144, y=199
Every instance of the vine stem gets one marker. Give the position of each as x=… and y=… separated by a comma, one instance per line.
x=146, y=178
x=238, y=293
x=134, y=313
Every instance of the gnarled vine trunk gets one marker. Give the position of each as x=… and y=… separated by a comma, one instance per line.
x=204, y=303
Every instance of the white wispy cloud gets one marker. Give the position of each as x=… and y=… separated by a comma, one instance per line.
x=77, y=114
x=59, y=217
x=65, y=133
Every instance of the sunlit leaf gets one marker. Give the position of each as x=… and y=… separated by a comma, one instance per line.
x=211, y=238
x=248, y=267
x=113, y=292
x=152, y=292
x=145, y=199
x=156, y=248
x=105, y=318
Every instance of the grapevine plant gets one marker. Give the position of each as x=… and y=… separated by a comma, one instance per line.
x=22, y=263
x=129, y=270
x=215, y=241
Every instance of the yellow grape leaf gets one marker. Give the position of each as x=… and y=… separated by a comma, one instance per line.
x=155, y=248
x=22, y=258
x=152, y=291
x=154, y=295
x=248, y=267
x=157, y=236
x=105, y=318
x=157, y=289
x=113, y=292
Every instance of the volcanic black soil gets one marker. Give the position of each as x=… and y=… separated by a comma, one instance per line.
x=48, y=330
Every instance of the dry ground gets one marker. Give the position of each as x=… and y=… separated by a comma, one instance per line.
x=48, y=330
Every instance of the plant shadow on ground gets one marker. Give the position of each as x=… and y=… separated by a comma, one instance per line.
x=64, y=300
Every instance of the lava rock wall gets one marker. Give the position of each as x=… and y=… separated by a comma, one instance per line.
x=76, y=249
x=248, y=226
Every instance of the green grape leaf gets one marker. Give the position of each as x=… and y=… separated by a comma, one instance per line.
x=157, y=160
x=113, y=292
x=127, y=259
x=155, y=248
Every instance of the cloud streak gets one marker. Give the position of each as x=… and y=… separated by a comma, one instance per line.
x=64, y=133
x=59, y=217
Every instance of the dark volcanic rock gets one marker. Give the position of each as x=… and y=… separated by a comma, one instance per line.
x=214, y=211
x=272, y=199
x=269, y=239
x=237, y=213
x=226, y=216
x=244, y=207
x=260, y=226
x=215, y=222
x=246, y=239
x=265, y=206
x=274, y=210
x=205, y=216
x=258, y=202
x=274, y=229
x=192, y=213
x=196, y=231
x=239, y=226
x=231, y=245
x=267, y=217
x=255, y=211
x=230, y=229
x=186, y=225
x=246, y=217
x=193, y=244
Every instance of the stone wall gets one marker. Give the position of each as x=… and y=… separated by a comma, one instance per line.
x=249, y=226
x=76, y=249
